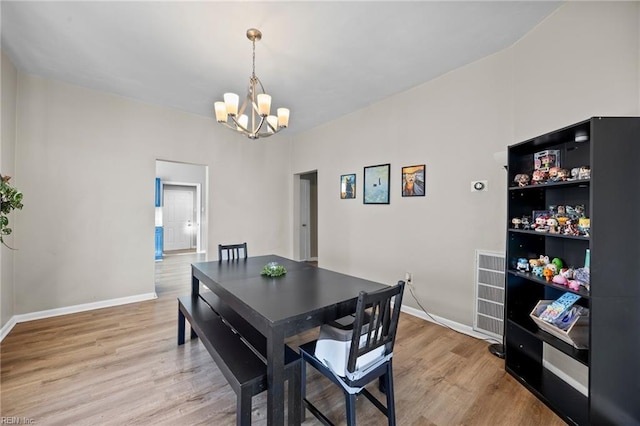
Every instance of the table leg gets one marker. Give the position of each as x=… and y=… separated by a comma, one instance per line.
x=275, y=377
x=195, y=284
x=181, y=327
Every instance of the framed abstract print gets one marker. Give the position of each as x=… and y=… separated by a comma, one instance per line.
x=348, y=186
x=376, y=184
x=413, y=181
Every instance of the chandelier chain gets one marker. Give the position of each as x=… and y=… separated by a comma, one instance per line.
x=254, y=59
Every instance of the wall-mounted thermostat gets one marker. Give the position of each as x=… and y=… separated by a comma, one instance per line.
x=478, y=185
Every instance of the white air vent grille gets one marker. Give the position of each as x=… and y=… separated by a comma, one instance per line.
x=489, y=300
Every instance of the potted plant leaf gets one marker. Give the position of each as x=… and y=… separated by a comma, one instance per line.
x=10, y=199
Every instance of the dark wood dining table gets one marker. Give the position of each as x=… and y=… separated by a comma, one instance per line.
x=304, y=298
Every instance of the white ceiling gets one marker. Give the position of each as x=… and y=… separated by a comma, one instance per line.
x=321, y=59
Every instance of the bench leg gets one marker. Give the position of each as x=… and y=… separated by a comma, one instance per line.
x=243, y=408
x=303, y=389
x=295, y=405
x=180, y=327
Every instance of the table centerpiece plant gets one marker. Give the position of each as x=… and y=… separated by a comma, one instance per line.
x=272, y=269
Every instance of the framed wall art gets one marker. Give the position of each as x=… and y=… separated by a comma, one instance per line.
x=376, y=184
x=413, y=181
x=348, y=186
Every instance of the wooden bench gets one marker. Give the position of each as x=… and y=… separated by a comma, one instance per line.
x=236, y=322
x=238, y=359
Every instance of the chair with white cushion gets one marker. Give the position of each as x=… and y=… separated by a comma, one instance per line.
x=352, y=356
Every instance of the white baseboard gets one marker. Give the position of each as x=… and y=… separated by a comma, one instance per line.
x=72, y=310
x=7, y=327
x=464, y=329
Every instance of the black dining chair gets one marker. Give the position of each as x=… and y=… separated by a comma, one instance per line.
x=352, y=356
x=232, y=251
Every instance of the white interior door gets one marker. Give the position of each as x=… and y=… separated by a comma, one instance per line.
x=305, y=219
x=179, y=218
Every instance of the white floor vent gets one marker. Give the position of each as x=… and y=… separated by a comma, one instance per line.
x=488, y=315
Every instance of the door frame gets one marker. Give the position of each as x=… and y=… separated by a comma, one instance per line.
x=297, y=220
x=305, y=216
x=198, y=216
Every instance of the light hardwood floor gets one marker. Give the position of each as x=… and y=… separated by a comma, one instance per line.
x=121, y=366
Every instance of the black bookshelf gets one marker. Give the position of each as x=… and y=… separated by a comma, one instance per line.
x=611, y=197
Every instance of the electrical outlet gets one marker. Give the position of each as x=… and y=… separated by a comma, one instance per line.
x=479, y=185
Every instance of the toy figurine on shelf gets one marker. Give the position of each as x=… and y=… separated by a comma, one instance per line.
x=570, y=229
x=552, y=224
x=522, y=265
x=559, y=279
x=521, y=179
x=562, y=280
x=541, y=224
x=574, y=285
x=580, y=173
x=562, y=222
x=516, y=221
x=548, y=274
x=553, y=174
x=584, y=172
x=539, y=176
x=574, y=173
x=563, y=175
x=559, y=264
x=535, y=262
x=526, y=223
x=537, y=270
x=567, y=273
x=584, y=226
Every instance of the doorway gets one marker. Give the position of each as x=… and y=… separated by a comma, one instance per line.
x=179, y=218
x=307, y=229
x=181, y=208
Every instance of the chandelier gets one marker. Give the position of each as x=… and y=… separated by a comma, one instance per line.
x=256, y=106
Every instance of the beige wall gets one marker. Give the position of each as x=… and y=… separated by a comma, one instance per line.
x=581, y=61
x=86, y=163
x=453, y=125
x=7, y=167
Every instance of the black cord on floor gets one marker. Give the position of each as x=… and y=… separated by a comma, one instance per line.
x=488, y=339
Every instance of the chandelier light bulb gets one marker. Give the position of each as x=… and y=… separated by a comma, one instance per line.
x=264, y=104
x=221, y=112
x=283, y=117
x=243, y=122
x=272, y=120
x=231, y=101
